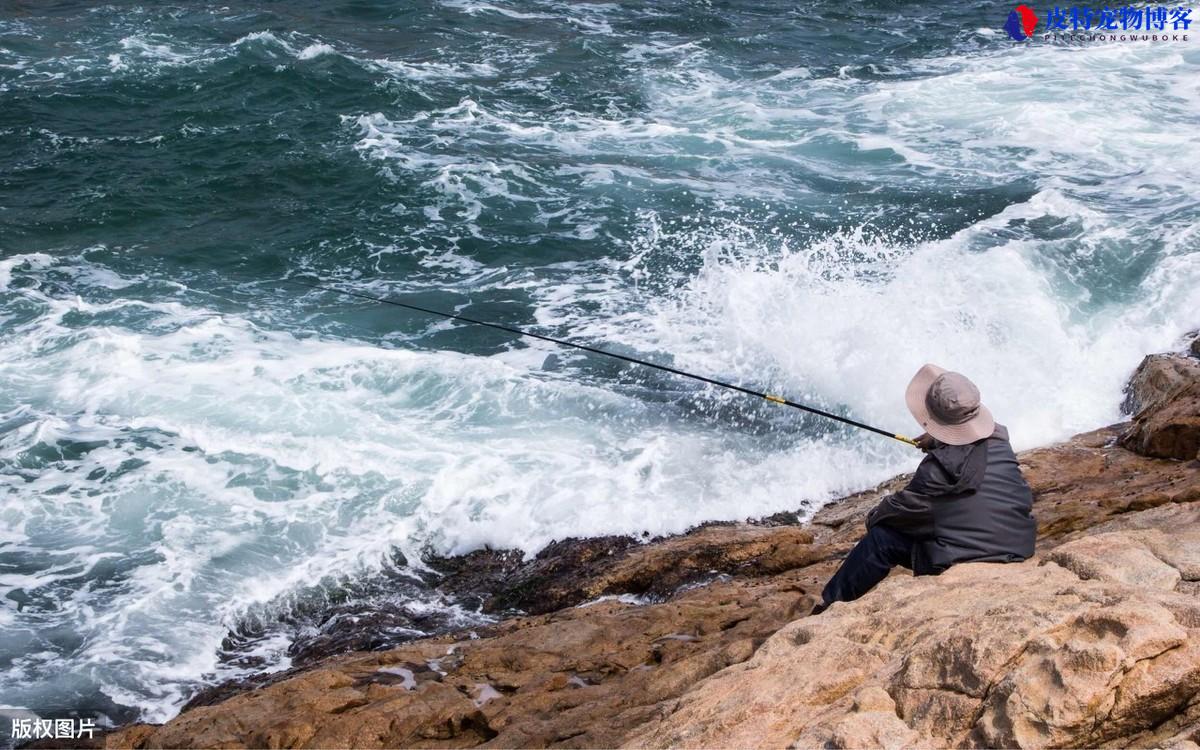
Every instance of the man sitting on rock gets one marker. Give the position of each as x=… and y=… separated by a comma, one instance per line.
x=967, y=502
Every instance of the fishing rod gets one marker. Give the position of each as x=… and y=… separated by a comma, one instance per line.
x=520, y=332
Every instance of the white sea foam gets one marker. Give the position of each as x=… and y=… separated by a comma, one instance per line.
x=431, y=71
x=160, y=53
x=315, y=50
x=32, y=261
x=472, y=7
x=802, y=319
x=153, y=54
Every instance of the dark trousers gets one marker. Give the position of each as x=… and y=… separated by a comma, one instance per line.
x=870, y=561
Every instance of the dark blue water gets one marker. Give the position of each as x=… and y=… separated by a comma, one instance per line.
x=813, y=199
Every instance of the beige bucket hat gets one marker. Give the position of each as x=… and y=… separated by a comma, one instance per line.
x=947, y=405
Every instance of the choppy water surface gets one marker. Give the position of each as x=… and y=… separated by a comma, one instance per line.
x=811, y=198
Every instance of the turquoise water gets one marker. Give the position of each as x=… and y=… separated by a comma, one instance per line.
x=812, y=199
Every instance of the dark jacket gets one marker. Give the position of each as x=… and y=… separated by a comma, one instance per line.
x=965, y=503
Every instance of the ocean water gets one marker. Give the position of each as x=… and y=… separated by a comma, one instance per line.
x=813, y=199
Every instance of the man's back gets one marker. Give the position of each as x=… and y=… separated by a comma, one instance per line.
x=964, y=503
x=991, y=521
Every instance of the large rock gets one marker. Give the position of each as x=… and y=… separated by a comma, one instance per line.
x=1124, y=558
x=1157, y=377
x=1164, y=396
x=1169, y=428
x=1028, y=655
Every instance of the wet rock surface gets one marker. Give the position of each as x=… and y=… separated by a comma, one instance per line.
x=382, y=610
x=1095, y=641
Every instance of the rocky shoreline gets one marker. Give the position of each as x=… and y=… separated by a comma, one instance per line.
x=703, y=639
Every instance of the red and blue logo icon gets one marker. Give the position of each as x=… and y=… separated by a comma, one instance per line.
x=1021, y=23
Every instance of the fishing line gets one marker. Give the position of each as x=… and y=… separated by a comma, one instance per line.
x=561, y=342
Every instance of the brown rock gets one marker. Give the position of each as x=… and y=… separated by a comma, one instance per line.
x=1170, y=428
x=871, y=722
x=1156, y=378
x=1003, y=656
x=1164, y=396
x=1090, y=479
x=1116, y=557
